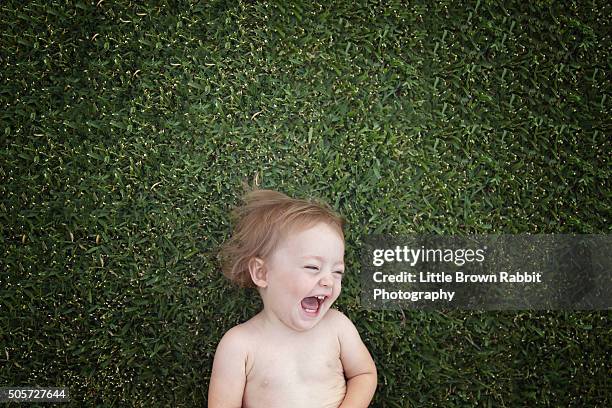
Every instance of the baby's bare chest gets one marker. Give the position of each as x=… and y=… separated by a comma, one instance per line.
x=288, y=372
x=275, y=363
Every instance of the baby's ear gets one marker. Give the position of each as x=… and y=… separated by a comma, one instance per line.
x=258, y=272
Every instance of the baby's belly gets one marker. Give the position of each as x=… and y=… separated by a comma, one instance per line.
x=284, y=391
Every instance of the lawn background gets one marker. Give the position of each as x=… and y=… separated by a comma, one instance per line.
x=127, y=129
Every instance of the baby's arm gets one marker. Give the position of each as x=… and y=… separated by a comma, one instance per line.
x=228, y=376
x=359, y=368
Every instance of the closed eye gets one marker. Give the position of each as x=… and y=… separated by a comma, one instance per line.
x=339, y=272
x=314, y=268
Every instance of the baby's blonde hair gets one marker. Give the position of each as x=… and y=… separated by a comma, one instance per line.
x=261, y=222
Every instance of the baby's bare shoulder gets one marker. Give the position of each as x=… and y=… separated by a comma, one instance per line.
x=239, y=338
x=235, y=340
x=337, y=320
x=336, y=316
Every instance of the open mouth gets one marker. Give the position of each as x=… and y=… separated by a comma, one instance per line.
x=312, y=304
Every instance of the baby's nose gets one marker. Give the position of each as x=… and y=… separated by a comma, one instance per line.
x=326, y=281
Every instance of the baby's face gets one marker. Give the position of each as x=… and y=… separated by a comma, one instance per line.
x=304, y=276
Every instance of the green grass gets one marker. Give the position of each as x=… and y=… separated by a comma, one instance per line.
x=127, y=130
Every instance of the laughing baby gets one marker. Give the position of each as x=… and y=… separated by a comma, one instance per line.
x=298, y=351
